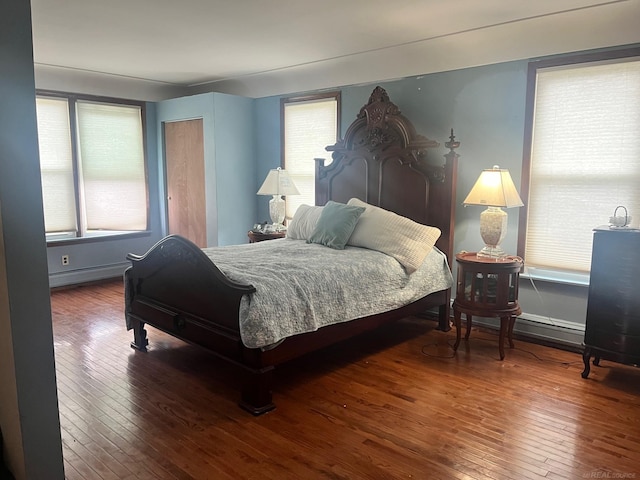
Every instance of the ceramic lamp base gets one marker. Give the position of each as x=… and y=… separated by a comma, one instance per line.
x=276, y=210
x=493, y=229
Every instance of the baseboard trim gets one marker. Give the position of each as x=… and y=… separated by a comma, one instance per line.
x=552, y=331
x=87, y=275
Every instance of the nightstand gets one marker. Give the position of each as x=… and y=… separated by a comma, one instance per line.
x=260, y=237
x=487, y=287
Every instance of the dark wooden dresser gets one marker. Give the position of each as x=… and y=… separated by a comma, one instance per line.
x=613, y=309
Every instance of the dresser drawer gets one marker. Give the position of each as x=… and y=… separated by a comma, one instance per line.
x=621, y=297
x=606, y=340
x=611, y=320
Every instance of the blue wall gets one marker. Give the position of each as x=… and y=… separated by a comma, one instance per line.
x=94, y=260
x=229, y=161
x=29, y=420
x=484, y=105
x=235, y=168
x=486, y=108
x=268, y=139
x=231, y=186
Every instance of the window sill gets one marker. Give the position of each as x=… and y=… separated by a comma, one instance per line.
x=556, y=276
x=96, y=237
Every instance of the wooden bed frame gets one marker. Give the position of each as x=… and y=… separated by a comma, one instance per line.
x=382, y=160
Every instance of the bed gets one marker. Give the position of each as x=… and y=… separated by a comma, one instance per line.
x=196, y=295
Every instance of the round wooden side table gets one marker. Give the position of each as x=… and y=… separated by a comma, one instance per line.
x=487, y=287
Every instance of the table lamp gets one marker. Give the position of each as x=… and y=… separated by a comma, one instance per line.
x=493, y=189
x=277, y=183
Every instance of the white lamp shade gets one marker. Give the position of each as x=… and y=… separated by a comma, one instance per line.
x=278, y=182
x=494, y=188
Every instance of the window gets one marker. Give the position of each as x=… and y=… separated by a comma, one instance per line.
x=584, y=156
x=309, y=125
x=92, y=165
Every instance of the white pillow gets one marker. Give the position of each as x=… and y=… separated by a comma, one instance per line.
x=304, y=222
x=407, y=241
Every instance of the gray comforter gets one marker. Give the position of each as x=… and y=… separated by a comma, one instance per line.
x=301, y=287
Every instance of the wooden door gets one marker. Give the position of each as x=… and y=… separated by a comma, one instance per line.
x=186, y=203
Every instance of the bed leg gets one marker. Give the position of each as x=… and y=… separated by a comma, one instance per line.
x=256, y=391
x=140, y=341
x=444, y=322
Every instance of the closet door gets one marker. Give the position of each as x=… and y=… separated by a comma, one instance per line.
x=186, y=202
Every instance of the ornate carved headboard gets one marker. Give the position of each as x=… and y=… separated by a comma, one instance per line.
x=383, y=161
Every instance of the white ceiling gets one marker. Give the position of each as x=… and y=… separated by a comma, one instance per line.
x=268, y=47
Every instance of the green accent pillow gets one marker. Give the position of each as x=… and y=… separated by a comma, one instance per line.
x=335, y=225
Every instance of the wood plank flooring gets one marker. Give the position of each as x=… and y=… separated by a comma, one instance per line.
x=393, y=404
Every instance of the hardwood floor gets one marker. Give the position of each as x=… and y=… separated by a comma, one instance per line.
x=393, y=404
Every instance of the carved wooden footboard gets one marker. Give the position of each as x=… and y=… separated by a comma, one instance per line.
x=187, y=293
x=175, y=288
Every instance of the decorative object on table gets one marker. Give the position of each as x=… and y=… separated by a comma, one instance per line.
x=260, y=236
x=493, y=189
x=265, y=227
x=620, y=221
x=277, y=183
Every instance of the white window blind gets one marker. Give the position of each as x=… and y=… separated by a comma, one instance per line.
x=308, y=128
x=56, y=165
x=585, y=159
x=92, y=164
x=112, y=173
